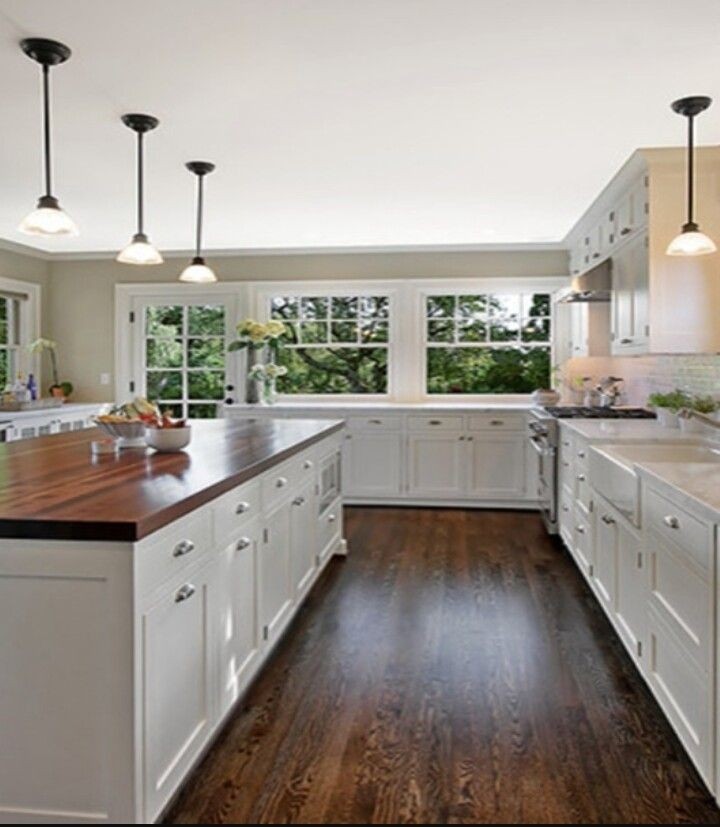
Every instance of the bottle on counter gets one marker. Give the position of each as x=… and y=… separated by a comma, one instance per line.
x=32, y=387
x=20, y=390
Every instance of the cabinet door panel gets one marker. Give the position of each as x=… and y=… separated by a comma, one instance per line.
x=274, y=564
x=303, y=545
x=176, y=671
x=605, y=568
x=372, y=464
x=498, y=466
x=239, y=633
x=435, y=465
x=632, y=592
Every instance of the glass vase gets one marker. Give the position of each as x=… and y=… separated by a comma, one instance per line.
x=253, y=393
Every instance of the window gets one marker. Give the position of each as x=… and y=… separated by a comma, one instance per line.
x=334, y=344
x=9, y=339
x=184, y=357
x=487, y=343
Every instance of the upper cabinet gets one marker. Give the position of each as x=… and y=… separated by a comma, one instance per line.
x=661, y=304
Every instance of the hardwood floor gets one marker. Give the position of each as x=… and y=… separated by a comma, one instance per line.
x=454, y=669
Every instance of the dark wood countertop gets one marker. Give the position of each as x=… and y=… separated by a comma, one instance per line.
x=53, y=488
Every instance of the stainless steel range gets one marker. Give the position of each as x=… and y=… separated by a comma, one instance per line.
x=543, y=435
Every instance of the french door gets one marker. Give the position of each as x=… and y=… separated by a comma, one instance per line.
x=180, y=357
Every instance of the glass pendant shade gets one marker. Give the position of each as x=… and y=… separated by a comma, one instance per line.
x=140, y=251
x=48, y=219
x=197, y=272
x=691, y=243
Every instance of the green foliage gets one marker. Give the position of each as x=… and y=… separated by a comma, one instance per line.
x=673, y=401
x=333, y=370
x=477, y=370
x=704, y=404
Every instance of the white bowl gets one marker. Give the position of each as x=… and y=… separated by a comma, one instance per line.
x=168, y=439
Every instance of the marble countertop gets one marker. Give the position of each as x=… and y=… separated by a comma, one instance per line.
x=694, y=485
x=386, y=406
x=628, y=430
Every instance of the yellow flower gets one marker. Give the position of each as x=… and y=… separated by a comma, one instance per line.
x=275, y=329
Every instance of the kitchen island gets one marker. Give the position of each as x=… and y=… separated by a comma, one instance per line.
x=139, y=595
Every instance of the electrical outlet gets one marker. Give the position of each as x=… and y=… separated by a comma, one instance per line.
x=104, y=378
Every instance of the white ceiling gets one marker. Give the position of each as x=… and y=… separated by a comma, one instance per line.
x=348, y=122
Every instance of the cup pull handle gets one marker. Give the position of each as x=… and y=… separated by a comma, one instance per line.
x=185, y=593
x=242, y=508
x=183, y=547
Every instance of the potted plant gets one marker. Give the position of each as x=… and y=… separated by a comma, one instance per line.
x=58, y=389
x=256, y=337
x=667, y=406
x=702, y=404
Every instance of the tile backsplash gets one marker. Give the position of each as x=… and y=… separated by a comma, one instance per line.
x=645, y=374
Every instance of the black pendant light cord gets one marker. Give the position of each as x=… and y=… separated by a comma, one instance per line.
x=691, y=172
x=198, y=236
x=140, y=193
x=46, y=128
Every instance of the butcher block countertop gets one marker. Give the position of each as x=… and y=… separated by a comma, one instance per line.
x=53, y=488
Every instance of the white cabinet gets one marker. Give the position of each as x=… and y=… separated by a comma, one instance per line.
x=239, y=639
x=606, y=549
x=630, y=310
x=498, y=469
x=436, y=464
x=177, y=696
x=372, y=462
x=275, y=586
x=303, y=544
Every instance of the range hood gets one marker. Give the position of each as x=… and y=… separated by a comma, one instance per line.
x=593, y=286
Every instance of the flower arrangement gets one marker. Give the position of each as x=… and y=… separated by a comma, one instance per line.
x=267, y=375
x=257, y=335
x=40, y=346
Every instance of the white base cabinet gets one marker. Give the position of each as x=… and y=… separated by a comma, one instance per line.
x=120, y=661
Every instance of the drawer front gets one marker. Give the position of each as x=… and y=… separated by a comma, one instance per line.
x=304, y=466
x=566, y=518
x=329, y=528
x=436, y=423
x=277, y=483
x=583, y=492
x=674, y=524
x=581, y=453
x=583, y=550
x=232, y=511
x=497, y=422
x=167, y=552
x=372, y=422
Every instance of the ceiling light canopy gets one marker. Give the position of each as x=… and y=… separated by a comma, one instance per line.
x=691, y=241
x=48, y=218
x=140, y=251
x=197, y=271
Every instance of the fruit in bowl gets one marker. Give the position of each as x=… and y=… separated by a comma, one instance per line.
x=126, y=423
x=163, y=433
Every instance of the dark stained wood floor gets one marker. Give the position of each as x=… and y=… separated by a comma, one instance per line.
x=455, y=669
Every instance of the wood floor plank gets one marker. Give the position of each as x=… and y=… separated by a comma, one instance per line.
x=454, y=669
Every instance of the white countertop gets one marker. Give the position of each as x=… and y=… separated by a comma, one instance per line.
x=386, y=406
x=626, y=430
x=67, y=409
x=695, y=485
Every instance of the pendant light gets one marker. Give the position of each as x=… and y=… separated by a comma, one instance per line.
x=140, y=250
x=690, y=241
x=47, y=218
x=197, y=271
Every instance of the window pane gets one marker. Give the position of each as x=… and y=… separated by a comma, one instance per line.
x=440, y=330
x=472, y=332
x=202, y=411
x=206, y=320
x=3, y=321
x=337, y=370
x=440, y=307
x=164, y=321
x=314, y=332
x=504, y=331
x=344, y=331
x=472, y=307
x=374, y=331
x=4, y=368
x=536, y=330
x=487, y=370
x=205, y=384
x=344, y=307
x=507, y=306
x=175, y=409
x=314, y=308
x=376, y=306
x=285, y=307
x=538, y=304
x=163, y=353
x=164, y=384
x=206, y=353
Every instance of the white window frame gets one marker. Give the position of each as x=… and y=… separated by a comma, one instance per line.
x=264, y=294
x=29, y=322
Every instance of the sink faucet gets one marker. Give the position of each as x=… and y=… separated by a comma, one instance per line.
x=686, y=413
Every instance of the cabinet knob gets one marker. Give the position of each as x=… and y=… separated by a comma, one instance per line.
x=183, y=547
x=497, y=422
x=625, y=231
x=626, y=341
x=671, y=522
x=581, y=454
x=298, y=500
x=470, y=438
x=185, y=593
x=581, y=477
x=375, y=421
x=607, y=519
x=332, y=518
x=596, y=255
x=434, y=422
x=243, y=543
x=241, y=508
x=580, y=529
x=307, y=464
x=281, y=482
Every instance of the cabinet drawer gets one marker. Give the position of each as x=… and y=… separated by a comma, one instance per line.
x=277, y=483
x=497, y=422
x=234, y=509
x=435, y=423
x=329, y=528
x=675, y=524
x=374, y=423
x=168, y=551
